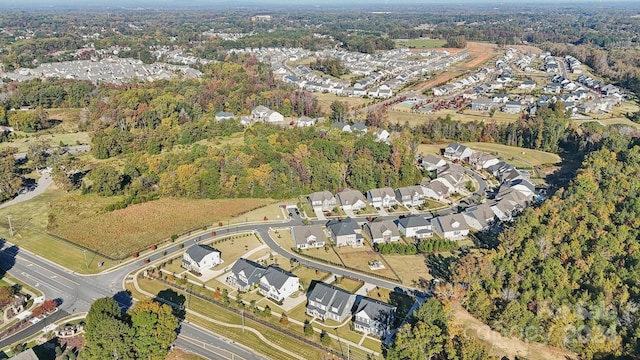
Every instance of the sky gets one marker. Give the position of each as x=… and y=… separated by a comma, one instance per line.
x=52, y=4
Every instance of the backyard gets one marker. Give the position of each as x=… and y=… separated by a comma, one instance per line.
x=359, y=258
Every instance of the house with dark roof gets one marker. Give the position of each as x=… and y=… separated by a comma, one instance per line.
x=278, y=284
x=374, y=317
x=382, y=197
x=200, y=257
x=351, y=200
x=308, y=236
x=326, y=301
x=345, y=232
x=245, y=274
x=322, y=201
x=452, y=227
x=415, y=226
x=380, y=230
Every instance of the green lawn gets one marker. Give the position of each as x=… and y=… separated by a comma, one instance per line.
x=348, y=284
x=307, y=275
x=421, y=43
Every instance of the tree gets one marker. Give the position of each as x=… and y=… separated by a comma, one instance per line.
x=107, y=335
x=37, y=154
x=154, y=329
x=466, y=348
x=417, y=342
x=325, y=339
x=308, y=329
x=107, y=181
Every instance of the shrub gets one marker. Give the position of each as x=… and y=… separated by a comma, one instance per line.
x=325, y=339
x=154, y=247
x=308, y=329
x=174, y=237
x=135, y=255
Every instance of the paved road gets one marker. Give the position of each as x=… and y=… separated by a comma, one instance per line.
x=77, y=292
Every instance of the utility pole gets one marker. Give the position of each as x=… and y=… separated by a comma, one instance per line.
x=10, y=227
x=84, y=251
x=243, y=320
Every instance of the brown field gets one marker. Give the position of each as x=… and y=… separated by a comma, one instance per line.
x=411, y=268
x=177, y=354
x=358, y=258
x=347, y=284
x=325, y=100
x=321, y=253
x=122, y=232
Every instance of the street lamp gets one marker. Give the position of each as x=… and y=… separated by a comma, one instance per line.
x=339, y=343
x=84, y=251
x=10, y=227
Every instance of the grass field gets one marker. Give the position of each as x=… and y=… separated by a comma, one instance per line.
x=53, y=139
x=422, y=43
x=519, y=157
x=358, y=258
x=325, y=100
x=411, y=268
x=307, y=275
x=347, y=284
x=396, y=116
x=232, y=249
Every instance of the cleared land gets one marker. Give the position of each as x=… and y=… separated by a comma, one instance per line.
x=519, y=157
x=122, y=232
x=422, y=43
x=400, y=114
x=177, y=354
x=232, y=249
x=411, y=268
x=53, y=139
x=359, y=258
x=325, y=100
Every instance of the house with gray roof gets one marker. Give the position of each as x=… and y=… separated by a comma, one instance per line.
x=452, y=227
x=345, y=232
x=410, y=195
x=431, y=162
x=329, y=302
x=435, y=190
x=351, y=200
x=480, y=217
x=455, y=151
x=308, y=236
x=200, y=257
x=245, y=274
x=380, y=230
x=382, y=197
x=223, y=115
x=374, y=317
x=482, y=160
x=322, y=201
x=415, y=226
x=278, y=284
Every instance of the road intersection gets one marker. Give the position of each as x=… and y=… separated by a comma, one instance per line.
x=76, y=292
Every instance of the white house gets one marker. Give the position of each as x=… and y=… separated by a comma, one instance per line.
x=329, y=302
x=382, y=197
x=482, y=160
x=455, y=151
x=309, y=236
x=452, y=227
x=222, y=115
x=278, y=284
x=322, y=201
x=415, y=226
x=480, y=217
x=410, y=195
x=345, y=232
x=374, y=317
x=351, y=200
x=435, y=190
x=432, y=162
x=244, y=274
x=201, y=257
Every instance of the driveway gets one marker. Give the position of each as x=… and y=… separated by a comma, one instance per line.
x=349, y=213
x=43, y=183
x=319, y=214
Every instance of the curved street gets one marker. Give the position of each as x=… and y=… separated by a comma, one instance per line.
x=76, y=292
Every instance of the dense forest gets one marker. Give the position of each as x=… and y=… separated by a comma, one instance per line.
x=566, y=272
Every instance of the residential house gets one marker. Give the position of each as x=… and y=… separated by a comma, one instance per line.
x=309, y=236
x=244, y=274
x=415, y=226
x=482, y=160
x=222, y=115
x=351, y=200
x=360, y=127
x=345, y=232
x=523, y=186
x=322, y=201
x=500, y=98
x=326, y=301
x=512, y=107
x=274, y=116
x=381, y=230
x=278, y=284
x=260, y=112
x=480, y=217
x=382, y=197
x=432, y=162
x=200, y=257
x=455, y=151
x=305, y=121
x=435, y=190
x=342, y=126
x=383, y=136
x=482, y=104
x=452, y=227
x=374, y=317
x=410, y=195
x=452, y=176
x=528, y=85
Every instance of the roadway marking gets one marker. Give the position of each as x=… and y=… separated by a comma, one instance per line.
x=208, y=347
x=44, y=268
